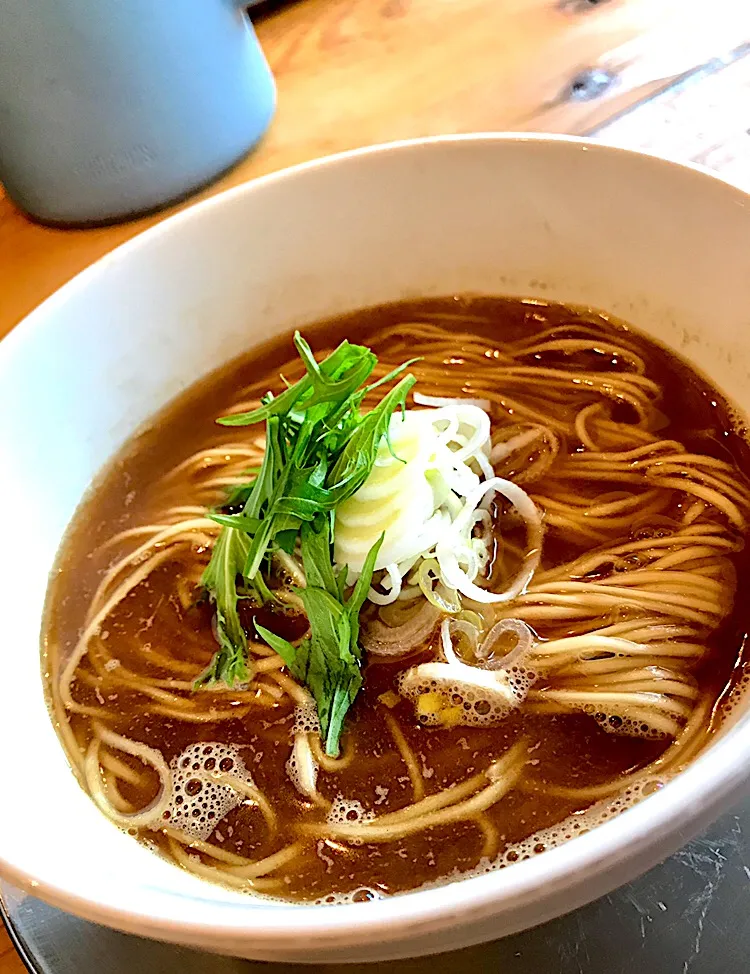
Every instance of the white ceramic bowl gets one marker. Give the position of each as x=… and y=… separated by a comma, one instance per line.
x=663, y=246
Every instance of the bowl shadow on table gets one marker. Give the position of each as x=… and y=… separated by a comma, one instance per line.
x=689, y=915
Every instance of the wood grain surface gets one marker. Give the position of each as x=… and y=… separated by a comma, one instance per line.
x=10, y=962
x=357, y=72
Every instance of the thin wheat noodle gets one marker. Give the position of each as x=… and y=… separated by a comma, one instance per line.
x=505, y=773
x=193, y=864
x=409, y=758
x=92, y=768
x=491, y=835
x=112, y=790
x=327, y=762
x=268, y=865
x=95, y=623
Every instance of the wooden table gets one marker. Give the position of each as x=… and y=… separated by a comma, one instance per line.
x=357, y=72
x=10, y=962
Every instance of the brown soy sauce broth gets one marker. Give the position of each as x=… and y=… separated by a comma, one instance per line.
x=567, y=750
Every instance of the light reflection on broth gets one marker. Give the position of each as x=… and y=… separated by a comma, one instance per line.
x=639, y=472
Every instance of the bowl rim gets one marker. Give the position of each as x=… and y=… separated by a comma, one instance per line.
x=665, y=820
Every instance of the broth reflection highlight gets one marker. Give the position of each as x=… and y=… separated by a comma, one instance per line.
x=564, y=640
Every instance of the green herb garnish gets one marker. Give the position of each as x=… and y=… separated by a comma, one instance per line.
x=329, y=660
x=320, y=448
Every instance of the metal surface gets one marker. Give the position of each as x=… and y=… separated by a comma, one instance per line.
x=690, y=915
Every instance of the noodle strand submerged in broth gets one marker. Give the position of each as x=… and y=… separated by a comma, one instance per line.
x=485, y=723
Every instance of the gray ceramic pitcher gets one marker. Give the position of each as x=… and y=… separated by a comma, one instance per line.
x=110, y=108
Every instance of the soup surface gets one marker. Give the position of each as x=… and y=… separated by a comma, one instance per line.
x=625, y=644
